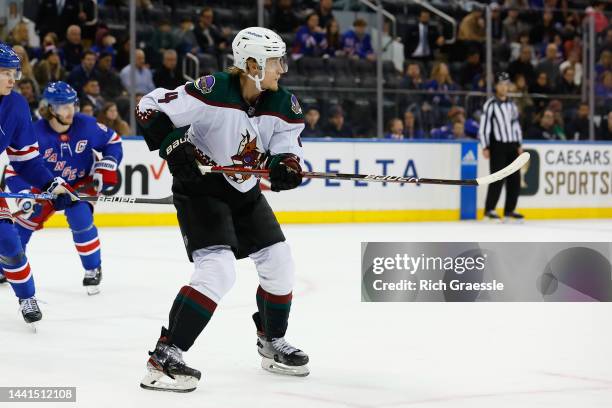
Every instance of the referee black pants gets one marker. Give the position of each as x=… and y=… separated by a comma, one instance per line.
x=501, y=155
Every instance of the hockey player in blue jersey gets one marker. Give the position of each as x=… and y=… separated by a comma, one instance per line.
x=70, y=143
x=18, y=140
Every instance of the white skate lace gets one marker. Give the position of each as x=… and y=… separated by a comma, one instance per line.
x=281, y=345
x=90, y=273
x=28, y=305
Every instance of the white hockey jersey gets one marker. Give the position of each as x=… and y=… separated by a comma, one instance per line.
x=226, y=130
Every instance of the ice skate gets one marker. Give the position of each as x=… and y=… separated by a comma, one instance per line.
x=92, y=280
x=492, y=216
x=30, y=311
x=514, y=217
x=167, y=370
x=2, y=278
x=280, y=357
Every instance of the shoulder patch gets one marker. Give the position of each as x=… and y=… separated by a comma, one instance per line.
x=205, y=84
x=295, y=105
x=103, y=127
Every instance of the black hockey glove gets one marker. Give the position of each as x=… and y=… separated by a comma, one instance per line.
x=181, y=156
x=285, y=171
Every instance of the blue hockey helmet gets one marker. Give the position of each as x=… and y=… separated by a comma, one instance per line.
x=9, y=59
x=59, y=93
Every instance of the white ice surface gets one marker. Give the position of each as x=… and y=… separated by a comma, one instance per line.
x=363, y=355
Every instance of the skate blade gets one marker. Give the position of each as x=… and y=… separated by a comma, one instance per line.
x=33, y=327
x=158, y=381
x=278, y=368
x=92, y=290
x=513, y=221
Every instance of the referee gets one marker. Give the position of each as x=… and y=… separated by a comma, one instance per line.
x=501, y=136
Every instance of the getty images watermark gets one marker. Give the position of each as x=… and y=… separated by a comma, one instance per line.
x=487, y=271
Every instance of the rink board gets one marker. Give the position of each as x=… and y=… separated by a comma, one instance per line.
x=567, y=180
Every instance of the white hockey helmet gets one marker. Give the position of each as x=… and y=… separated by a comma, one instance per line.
x=260, y=44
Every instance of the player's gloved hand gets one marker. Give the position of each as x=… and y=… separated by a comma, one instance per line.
x=27, y=206
x=105, y=173
x=182, y=160
x=285, y=171
x=66, y=196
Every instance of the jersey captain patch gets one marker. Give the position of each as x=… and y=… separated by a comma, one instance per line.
x=205, y=84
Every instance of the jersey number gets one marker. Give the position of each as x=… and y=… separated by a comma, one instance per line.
x=168, y=97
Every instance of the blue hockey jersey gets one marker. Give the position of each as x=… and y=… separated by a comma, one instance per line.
x=71, y=155
x=18, y=139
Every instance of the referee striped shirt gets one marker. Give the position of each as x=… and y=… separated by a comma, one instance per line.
x=500, y=121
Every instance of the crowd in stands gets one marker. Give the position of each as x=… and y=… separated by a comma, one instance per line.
x=436, y=91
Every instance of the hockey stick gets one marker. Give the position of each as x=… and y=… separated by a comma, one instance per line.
x=99, y=199
x=481, y=181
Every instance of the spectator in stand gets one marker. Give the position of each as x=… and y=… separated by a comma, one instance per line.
x=578, y=127
x=50, y=69
x=163, y=39
x=91, y=93
x=439, y=85
x=144, y=78
x=309, y=39
x=412, y=130
x=109, y=117
x=566, y=85
x=605, y=129
x=544, y=129
x=334, y=39
x=422, y=39
x=603, y=90
x=574, y=62
x=72, y=50
x=311, y=120
x=456, y=115
x=412, y=78
x=544, y=31
x=337, y=127
x=105, y=43
x=108, y=77
x=26, y=68
x=497, y=25
x=83, y=72
x=541, y=86
x=185, y=36
x=513, y=27
x=356, y=43
x=601, y=21
x=471, y=69
x=122, y=58
x=516, y=47
x=20, y=36
x=523, y=101
x=604, y=64
x=86, y=108
x=57, y=15
x=396, y=129
x=210, y=38
x=284, y=19
x=49, y=42
x=550, y=63
x=325, y=12
x=168, y=75
x=472, y=28
x=523, y=65
x=28, y=91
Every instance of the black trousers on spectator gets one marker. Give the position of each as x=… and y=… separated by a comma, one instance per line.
x=501, y=155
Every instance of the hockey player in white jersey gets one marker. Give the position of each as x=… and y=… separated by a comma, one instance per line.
x=235, y=118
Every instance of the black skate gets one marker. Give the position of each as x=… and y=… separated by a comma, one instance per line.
x=2, y=278
x=514, y=217
x=30, y=311
x=280, y=357
x=167, y=361
x=492, y=216
x=92, y=280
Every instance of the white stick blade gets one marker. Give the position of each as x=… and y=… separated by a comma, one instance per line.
x=516, y=165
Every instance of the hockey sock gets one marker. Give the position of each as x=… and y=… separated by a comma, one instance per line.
x=190, y=313
x=273, y=313
x=14, y=263
x=84, y=234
